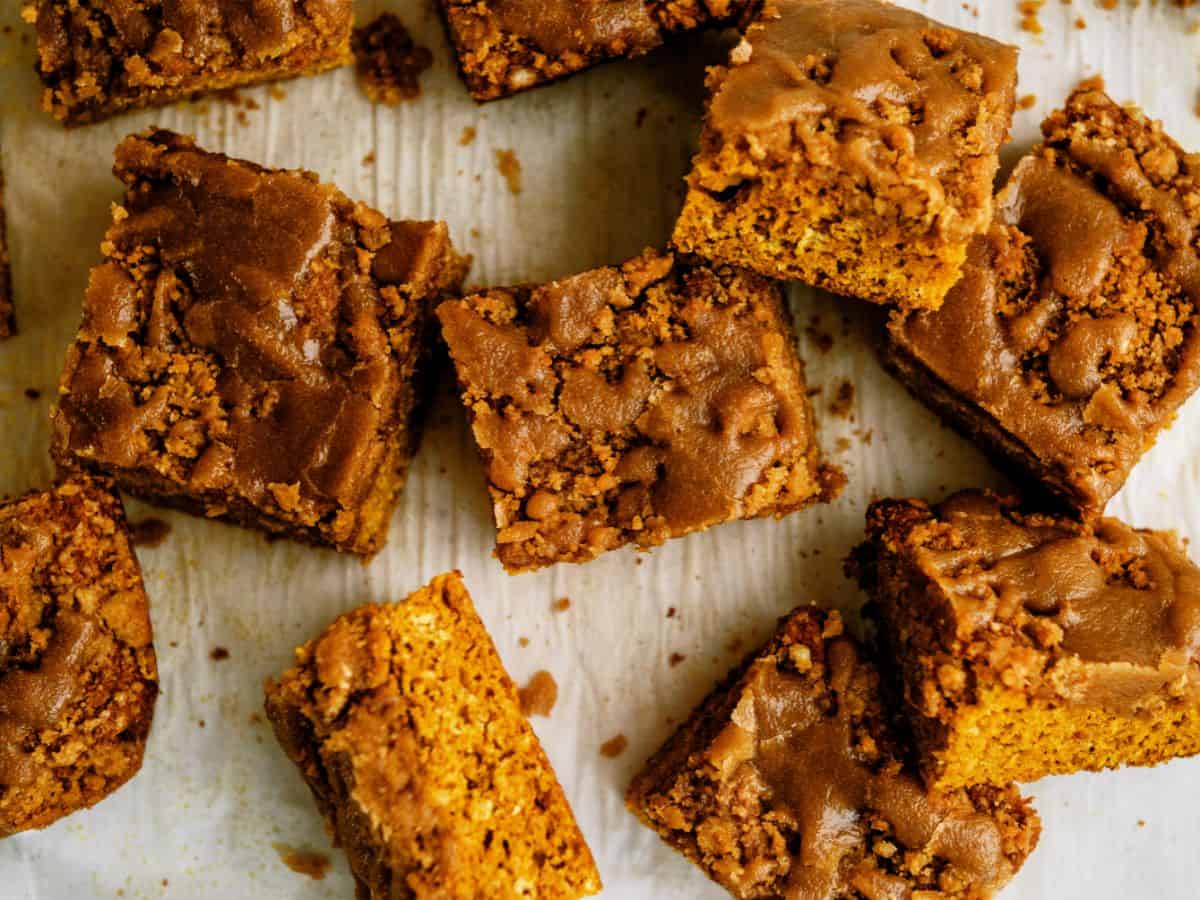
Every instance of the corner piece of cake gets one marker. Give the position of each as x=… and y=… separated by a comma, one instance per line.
x=507, y=46
x=409, y=732
x=791, y=780
x=1032, y=645
x=254, y=346
x=852, y=145
x=634, y=404
x=99, y=59
x=78, y=677
x=1072, y=339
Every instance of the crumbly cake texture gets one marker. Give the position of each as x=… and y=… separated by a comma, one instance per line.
x=1033, y=645
x=78, y=678
x=851, y=144
x=254, y=346
x=99, y=59
x=634, y=404
x=8, y=319
x=507, y=46
x=389, y=63
x=790, y=781
x=1072, y=339
x=409, y=732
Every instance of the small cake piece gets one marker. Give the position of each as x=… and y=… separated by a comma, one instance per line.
x=408, y=731
x=1031, y=645
x=8, y=320
x=100, y=59
x=851, y=144
x=78, y=678
x=506, y=46
x=254, y=346
x=389, y=63
x=790, y=781
x=1072, y=339
x=634, y=404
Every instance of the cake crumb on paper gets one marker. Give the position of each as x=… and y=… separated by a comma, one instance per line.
x=539, y=694
x=510, y=168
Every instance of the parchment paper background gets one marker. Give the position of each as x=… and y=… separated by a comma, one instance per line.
x=216, y=792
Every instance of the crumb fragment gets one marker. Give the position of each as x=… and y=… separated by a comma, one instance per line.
x=675, y=659
x=523, y=642
x=671, y=612
x=1029, y=101
x=218, y=654
x=539, y=694
x=562, y=604
x=843, y=400
x=389, y=63
x=304, y=862
x=32, y=393
x=614, y=747
x=468, y=136
x=510, y=168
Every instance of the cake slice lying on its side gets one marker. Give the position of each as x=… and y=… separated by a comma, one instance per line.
x=1032, y=645
x=792, y=781
x=409, y=732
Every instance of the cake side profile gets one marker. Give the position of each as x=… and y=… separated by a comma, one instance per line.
x=253, y=347
x=852, y=145
x=1032, y=645
x=409, y=732
x=633, y=405
x=1071, y=341
x=507, y=46
x=99, y=59
x=790, y=780
x=78, y=677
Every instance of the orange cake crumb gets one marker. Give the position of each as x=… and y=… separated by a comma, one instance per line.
x=407, y=728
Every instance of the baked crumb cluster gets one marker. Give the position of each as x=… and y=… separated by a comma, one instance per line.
x=1074, y=327
x=507, y=46
x=409, y=731
x=634, y=404
x=852, y=145
x=78, y=677
x=792, y=780
x=1018, y=632
x=254, y=346
x=99, y=59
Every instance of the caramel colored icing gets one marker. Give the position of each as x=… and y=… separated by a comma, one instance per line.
x=657, y=406
x=893, y=80
x=1074, y=324
x=558, y=27
x=1117, y=610
x=822, y=776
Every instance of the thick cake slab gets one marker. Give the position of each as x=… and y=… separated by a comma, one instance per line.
x=78, y=677
x=1033, y=645
x=851, y=144
x=634, y=404
x=790, y=781
x=1072, y=339
x=254, y=346
x=100, y=59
